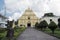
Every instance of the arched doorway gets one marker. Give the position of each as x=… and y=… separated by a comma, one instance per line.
x=28, y=24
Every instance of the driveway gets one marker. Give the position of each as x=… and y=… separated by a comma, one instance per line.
x=33, y=34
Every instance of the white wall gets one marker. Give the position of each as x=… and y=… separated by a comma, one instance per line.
x=2, y=22
x=55, y=19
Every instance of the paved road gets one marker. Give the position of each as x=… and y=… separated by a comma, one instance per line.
x=32, y=34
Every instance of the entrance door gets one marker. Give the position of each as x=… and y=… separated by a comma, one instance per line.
x=29, y=25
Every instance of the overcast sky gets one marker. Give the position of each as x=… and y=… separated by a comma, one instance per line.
x=15, y=8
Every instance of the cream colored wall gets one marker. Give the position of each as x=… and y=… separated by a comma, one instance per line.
x=24, y=22
x=24, y=18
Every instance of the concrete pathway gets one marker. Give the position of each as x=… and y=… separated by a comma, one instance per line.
x=32, y=34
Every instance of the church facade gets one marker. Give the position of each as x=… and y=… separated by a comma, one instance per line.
x=28, y=19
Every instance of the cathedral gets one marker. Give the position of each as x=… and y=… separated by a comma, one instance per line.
x=28, y=19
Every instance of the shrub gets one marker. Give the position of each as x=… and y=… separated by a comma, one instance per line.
x=2, y=30
x=52, y=26
x=16, y=22
x=40, y=25
x=36, y=25
x=43, y=24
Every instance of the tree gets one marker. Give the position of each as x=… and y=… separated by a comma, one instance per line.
x=52, y=26
x=59, y=22
x=36, y=25
x=10, y=30
x=7, y=24
x=16, y=23
x=43, y=24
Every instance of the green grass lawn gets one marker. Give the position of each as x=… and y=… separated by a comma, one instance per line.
x=17, y=32
x=57, y=32
x=2, y=33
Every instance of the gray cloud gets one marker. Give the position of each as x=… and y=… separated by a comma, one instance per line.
x=38, y=6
